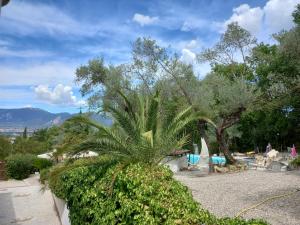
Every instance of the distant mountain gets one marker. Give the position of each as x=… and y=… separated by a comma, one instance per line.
x=14, y=120
x=33, y=118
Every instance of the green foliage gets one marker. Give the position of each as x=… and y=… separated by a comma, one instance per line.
x=277, y=70
x=5, y=147
x=234, y=70
x=102, y=82
x=295, y=162
x=28, y=145
x=142, y=194
x=235, y=42
x=41, y=164
x=44, y=175
x=72, y=134
x=20, y=166
x=24, y=135
x=296, y=15
x=139, y=134
x=259, y=127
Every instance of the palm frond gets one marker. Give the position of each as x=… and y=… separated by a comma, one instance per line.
x=125, y=122
x=130, y=109
x=177, y=120
x=152, y=114
x=138, y=134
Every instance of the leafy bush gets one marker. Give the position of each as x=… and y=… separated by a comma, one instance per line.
x=20, y=166
x=296, y=162
x=5, y=147
x=107, y=193
x=40, y=164
x=44, y=175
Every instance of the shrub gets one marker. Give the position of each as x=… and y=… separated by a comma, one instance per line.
x=44, y=175
x=5, y=147
x=20, y=166
x=140, y=194
x=295, y=162
x=40, y=164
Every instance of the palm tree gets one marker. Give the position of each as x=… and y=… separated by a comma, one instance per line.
x=139, y=133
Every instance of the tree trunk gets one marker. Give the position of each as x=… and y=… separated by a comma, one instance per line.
x=223, y=146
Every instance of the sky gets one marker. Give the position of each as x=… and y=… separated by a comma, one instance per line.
x=42, y=42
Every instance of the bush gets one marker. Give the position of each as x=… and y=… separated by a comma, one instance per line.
x=5, y=147
x=44, y=175
x=140, y=194
x=295, y=162
x=20, y=166
x=40, y=164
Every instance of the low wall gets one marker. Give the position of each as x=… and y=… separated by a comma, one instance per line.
x=62, y=210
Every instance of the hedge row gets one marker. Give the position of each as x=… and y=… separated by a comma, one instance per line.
x=106, y=193
x=295, y=162
x=20, y=166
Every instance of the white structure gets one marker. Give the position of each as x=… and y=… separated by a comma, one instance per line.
x=46, y=155
x=203, y=165
x=62, y=210
x=176, y=163
x=272, y=154
x=85, y=154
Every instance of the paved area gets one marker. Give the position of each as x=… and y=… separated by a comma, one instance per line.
x=25, y=203
x=227, y=194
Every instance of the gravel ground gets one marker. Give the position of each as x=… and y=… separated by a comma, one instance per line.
x=227, y=194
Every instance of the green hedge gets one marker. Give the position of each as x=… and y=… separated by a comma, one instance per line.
x=295, y=162
x=140, y=195
x=20, y=166
x=41, y=164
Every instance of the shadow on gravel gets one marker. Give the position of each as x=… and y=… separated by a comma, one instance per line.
x=288, y=205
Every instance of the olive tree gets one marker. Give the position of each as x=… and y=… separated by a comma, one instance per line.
x=224, y=101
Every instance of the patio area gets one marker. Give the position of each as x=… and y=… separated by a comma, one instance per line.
x=228, y=194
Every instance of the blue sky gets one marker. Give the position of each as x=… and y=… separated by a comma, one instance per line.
x=42, y=42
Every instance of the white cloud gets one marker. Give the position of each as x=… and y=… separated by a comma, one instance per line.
x=278, y=14
x=193, y=24
x=248, y=18
x=59, y=95
x=192, y=44
x=187, y=56
x=273, y=17
x=50, y=73
x=6, y=52
x=144, y=20
x=23, y=17
x=202, y=70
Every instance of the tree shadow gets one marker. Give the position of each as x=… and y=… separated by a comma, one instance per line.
x=287, y=205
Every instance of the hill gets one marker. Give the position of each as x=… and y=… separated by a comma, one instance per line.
x=14, y=120
x=33, y=118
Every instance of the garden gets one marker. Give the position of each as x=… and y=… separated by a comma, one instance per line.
x=250, y=98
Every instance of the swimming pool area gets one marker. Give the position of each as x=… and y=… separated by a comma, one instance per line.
x=194, y=159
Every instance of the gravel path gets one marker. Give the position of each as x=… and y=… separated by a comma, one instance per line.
x=24, y=203
x=227, y=194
